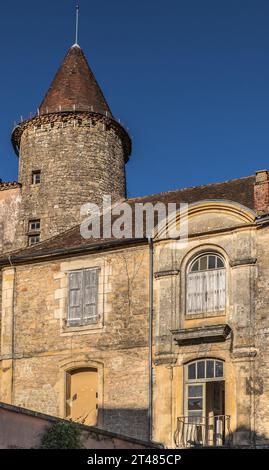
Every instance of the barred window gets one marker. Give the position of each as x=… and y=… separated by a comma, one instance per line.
x=83, y=297
x=206, y=285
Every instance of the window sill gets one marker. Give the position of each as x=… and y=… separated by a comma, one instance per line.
x=193, y=316
x=208, y=334
x=67, y=329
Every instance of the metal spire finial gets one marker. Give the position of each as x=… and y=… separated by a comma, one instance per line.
x=77, y=24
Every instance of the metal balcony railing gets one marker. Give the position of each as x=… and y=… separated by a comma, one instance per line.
x=203, y=431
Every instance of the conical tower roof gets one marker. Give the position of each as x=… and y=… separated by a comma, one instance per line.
x=75, y=87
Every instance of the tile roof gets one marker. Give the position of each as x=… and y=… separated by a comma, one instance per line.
x=74, y=87
x=237, y=190
x=9, y=185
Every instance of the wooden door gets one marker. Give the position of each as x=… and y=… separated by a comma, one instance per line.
x=82, y=396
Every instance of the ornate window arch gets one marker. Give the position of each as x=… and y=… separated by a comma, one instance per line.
x=206, y=284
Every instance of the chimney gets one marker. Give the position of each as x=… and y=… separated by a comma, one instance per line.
x=261, y=192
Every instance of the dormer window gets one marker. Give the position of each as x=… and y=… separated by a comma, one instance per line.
x=36, y=177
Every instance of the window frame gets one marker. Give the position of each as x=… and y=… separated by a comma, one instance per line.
x=190, y=264
x=200, y=381
x=35, y=236
x=35, y=230
x=35, y=174
x=81, y=322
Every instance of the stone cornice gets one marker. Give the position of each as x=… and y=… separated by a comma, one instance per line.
x=243, y=262
x=203, y=334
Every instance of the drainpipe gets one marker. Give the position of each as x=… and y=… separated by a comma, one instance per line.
x=150, y=242
x=13, y=332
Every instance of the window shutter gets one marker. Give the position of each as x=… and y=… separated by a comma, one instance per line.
x=90, y=313
x=195, y=289
x=215, y=290
x=206, y=291
x=75, y=296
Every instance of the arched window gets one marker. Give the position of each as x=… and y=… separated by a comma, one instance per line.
x=206, y=284
x=205, y=390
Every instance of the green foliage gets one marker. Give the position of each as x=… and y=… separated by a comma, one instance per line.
x=62, y=435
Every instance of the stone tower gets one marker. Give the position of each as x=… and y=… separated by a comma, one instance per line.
x=72, y=152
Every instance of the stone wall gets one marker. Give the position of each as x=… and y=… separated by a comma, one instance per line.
x=244, y=352
x=80, y=160
x=44, y=348
x=38, y=347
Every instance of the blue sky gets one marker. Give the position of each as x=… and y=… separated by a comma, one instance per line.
x=190, y=78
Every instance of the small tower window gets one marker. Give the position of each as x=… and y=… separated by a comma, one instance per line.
x=34, y=232
x=34, y=225
x=33, y=239
x=36, y=177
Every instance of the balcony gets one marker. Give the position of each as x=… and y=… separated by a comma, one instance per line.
x=203, y=431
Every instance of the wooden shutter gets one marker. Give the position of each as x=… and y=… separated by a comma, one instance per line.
x=75, y=304
x=90, y=294
x=196, y=292
x=206, y=291
x=215, y=290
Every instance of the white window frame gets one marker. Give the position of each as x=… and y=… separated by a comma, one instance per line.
x=36, y=177
x=200, y=381
x=33, y=239
x=218, y=275
x=35, y=228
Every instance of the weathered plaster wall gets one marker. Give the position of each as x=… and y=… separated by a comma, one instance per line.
x=245, y=352
x=23, y=429
x=9, y=212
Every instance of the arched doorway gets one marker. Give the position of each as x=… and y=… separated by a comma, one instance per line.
x=204, y=421
x=82, y=395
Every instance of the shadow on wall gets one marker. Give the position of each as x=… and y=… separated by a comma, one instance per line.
x=23, y=429
x=244, y=437
x=132, y=422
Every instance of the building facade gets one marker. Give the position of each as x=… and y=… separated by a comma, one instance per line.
x=163, y=339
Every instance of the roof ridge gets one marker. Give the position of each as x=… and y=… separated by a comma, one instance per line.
x=190, y=187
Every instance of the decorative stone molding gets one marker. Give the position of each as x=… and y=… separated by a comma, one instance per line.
x=202, y=334
x=164, y=358
x=160, y=274
x=245, y=353
x=243, y=262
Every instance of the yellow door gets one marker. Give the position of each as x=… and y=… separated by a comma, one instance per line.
x=82, y=396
